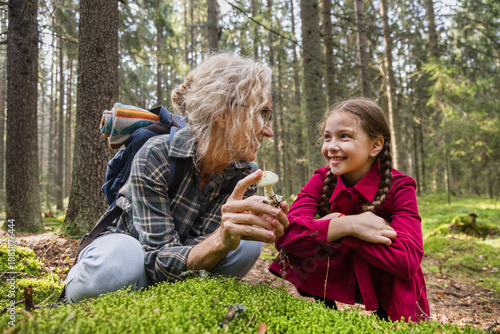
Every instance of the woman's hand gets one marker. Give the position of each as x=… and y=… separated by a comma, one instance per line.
x=365, y=226
x=250, y=218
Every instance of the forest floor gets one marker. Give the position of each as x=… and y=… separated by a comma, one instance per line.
x=452, y=299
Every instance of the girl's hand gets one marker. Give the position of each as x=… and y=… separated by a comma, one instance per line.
x=365, y=226
x=250, y=218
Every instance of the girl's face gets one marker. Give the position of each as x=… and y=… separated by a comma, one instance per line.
x=347, y=148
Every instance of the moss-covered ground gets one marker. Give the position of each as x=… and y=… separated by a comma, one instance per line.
x=204, y=305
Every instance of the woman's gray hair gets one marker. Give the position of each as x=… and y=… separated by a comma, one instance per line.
x=226, y=87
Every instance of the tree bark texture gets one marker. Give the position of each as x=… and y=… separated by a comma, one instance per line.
x=255, y=34
x=274, y=103
x=59, y=177
x=390, y=84
x=328, y=49
x=22, y=185
x=97, y=90
x=2, y=126
x=52, y=124
x=159, y=63
x=69, y=110
x=364, y=77
x=431, y=28
x=301, y=156
x=313, y=80
x=213, y=25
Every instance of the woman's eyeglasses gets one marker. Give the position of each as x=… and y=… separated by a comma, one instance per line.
x=266, y=114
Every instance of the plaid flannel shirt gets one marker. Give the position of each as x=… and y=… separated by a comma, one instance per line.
x=167, y=227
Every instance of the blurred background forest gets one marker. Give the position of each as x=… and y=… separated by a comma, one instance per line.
x=434, y=66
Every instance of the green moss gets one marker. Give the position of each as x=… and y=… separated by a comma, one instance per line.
x=435, y=210
x=27, y=270
x=200, y=306
x=45, y=289
x=25, y=261
x=462, y=255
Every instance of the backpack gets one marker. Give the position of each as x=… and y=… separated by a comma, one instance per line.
x=132, y=127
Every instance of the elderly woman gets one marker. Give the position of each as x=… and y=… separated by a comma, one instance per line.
x=226, y=101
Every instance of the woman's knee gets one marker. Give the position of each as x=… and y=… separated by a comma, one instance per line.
x=239, y=262
x=109, y=263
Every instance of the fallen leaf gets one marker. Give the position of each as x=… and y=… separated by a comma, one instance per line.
x=262, y=328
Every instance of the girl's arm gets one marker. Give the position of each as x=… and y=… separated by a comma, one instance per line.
x=403, y=257
x=305, y=233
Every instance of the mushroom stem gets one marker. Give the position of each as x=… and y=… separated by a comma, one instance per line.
x=268, y=191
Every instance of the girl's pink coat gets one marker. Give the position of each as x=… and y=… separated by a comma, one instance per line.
x=389, y=275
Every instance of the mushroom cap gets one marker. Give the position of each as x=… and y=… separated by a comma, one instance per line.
x=268, y=179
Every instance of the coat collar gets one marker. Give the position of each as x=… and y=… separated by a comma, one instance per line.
x=366, y=187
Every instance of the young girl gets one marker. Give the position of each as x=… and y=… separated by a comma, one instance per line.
x=355, y=233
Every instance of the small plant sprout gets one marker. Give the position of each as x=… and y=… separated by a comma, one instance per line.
x=268, y=180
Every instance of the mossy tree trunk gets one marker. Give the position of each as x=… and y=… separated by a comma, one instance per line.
x=97, y=90
x=22, y=185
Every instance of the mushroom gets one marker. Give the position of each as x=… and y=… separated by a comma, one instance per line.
x=268, y=180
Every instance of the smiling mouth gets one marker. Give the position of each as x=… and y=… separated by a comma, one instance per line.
x=336, y=160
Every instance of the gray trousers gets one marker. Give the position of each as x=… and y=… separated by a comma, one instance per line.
x=114, y=261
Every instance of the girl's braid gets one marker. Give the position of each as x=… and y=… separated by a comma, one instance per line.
x=385, y=179
x=328, y=188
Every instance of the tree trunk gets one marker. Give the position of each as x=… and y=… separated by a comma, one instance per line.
x=315, y=101
x=52, y=126
x=186, y=26
x=213, y=25
x=285, y=134
x=328, y=48
x=301, y=156
x=431, y=29
x=3, y=91
x=68, y=130
x=59, y=179
x=254, y=9
x=192, y=44
x=364, y=77
x=390, y=84
x=2, y=124
x=97, y=90
x=22, y=185
x=275, y=123
x=159, y=64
